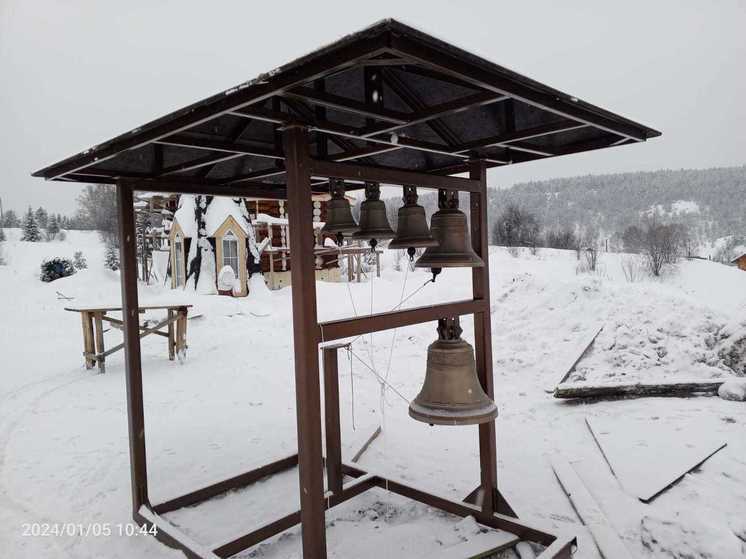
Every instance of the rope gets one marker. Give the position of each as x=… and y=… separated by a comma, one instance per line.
x=380, y=379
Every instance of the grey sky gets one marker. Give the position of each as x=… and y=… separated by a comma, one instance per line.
x=76, y=73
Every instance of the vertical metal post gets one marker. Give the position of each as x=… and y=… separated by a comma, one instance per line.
x=331, y=415
x=131, y=330
x=483, y=336
x=305, y=343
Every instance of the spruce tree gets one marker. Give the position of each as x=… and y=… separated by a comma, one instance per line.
x=111, y=259
x=30, y=228
x=2, y=234
x=53, y=227
x=41, y=217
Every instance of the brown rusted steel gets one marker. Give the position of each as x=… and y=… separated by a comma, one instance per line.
x=334, y=476
x=387, y=175
x=483, y=336
x=347, y=327
x=352, y=489
x=236, y=482
x=305, y=342
x=132, y=361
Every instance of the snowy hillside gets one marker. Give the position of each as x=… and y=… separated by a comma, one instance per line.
x=230, y=406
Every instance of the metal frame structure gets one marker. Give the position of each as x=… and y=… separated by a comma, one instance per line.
x=388, y=104
x=313, y=460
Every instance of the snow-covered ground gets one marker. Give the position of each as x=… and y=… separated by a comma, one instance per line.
x=230, y=407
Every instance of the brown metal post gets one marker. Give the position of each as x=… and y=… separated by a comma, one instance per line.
x=483, y=336
x=305, y=342
x=131, y=330
x=333, y=434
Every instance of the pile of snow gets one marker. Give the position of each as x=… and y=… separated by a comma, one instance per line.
x=733, y=389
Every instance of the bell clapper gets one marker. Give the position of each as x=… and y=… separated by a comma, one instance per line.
x=411, y=251
x=435, y=272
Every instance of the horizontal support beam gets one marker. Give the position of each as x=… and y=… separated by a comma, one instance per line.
x=198, y=163
x=388, y=175
x=172, y=536
x=345, y=328
x=350, y=490
x=498, y=521
x=519, y=135
x=235, y=482
x=442, y=110
x=347, y=105
x=175, y=186
x=216, y=145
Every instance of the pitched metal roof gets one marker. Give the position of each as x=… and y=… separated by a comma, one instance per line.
x=388, y=96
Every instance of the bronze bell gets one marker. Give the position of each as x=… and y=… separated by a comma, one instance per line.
x=452, y=393
x=412, y=231
x=450, y=229
x=374, y=225
x=339, y=220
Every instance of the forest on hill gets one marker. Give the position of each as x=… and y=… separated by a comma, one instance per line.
x=711, y=203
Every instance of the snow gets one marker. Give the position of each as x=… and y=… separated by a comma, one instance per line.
x=230, y=406
x=733, y=389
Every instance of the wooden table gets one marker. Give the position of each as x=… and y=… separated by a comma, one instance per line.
x=93, y=331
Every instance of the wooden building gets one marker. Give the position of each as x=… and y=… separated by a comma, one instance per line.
x=740, y=262
x=232, y=227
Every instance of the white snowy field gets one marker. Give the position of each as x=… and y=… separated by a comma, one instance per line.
x=230, y=407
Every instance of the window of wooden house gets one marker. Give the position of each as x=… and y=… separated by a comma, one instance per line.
x=230, y=252
x=179, y=261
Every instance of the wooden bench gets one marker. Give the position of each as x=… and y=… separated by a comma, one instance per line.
x=93, y=318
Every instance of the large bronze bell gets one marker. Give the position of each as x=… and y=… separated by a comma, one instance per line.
x=412, y=231
x=374, y=225
x=452, y=393
x=450, y=229
x=339, y=220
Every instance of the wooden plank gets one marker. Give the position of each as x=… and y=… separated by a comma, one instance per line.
x=649, y=497
x=561, y=548
x=646, y=456
x=638, y=390
x=366, y=444
x=606, y=538
x=477, y=546
x=88, y=346
x=100, y=350
x=586, y=347
x=171, y=336
x=141, y=308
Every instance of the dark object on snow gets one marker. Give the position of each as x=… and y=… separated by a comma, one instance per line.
x=56, y=268
x=639, y=390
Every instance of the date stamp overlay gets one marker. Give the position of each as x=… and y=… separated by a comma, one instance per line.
x=85, y=530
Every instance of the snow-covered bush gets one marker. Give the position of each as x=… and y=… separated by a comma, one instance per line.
x=56, y=268
x=79, y=261
x=111, y=258
x=226, y=279
x=62, y=235
x=633, y=268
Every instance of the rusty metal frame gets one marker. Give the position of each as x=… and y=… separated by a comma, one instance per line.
x=485, y=504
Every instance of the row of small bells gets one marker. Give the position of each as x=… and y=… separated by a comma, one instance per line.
x=451, y=393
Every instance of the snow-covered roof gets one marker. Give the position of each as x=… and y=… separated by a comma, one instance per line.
x=220, y=209
x=737, y=258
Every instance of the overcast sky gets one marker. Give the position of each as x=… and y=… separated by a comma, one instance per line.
x=76, y=73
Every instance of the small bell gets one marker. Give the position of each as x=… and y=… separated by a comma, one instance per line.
x=451, y=393
x=412, y=231
x=339, y=220
x=450, y=229
x=374, y=225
